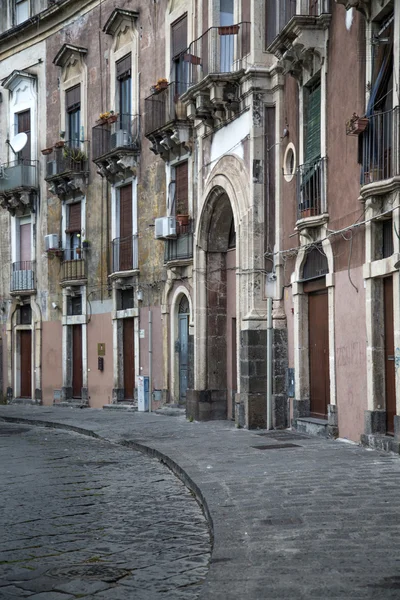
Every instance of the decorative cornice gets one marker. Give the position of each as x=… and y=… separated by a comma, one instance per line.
x=66, y=52
x=11, y=81
x=364, y=6
x=117, y=17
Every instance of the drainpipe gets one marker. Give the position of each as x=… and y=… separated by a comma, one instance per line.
x=269, y=363
x=150, y=359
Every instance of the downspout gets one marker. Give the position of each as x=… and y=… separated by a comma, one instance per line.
x=269, y=363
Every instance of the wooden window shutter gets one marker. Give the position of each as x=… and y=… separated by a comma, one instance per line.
x=123, y=67
x=125, y=211
x=74, y=218
x=179, y=36
x=313, y=132
x=73, y=98
x=181, y=189
x=270, y=21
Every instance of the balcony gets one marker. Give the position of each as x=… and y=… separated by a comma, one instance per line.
x=23, y=278
x=180, y=249
x=166, y=125
x=73, y=268
x=300, y=38
x=214, y=64
x=19, y=186
x=380, y=151
x=311, y=194
x=116, y=146
x=67, y=168
x=124, y=256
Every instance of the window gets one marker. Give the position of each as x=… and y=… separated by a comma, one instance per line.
x=73, y=231
x=277, y=14
x=179, y=45
x=312, y=132
x=21, y=11
x=74, y=305
x=73, y=108
x=25, y=246
x=387, y=238
x=24, y=316
x=125, y=299
x=23, y=125
x=181, y=189
x=124, y=78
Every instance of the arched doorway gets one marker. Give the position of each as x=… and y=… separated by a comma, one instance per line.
x=183, y=347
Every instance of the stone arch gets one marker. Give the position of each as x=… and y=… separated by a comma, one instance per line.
x=177, y=294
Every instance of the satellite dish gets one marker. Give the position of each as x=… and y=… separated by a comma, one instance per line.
x=18, y=142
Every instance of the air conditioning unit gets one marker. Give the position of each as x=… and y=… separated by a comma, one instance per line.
x=51, y=241
x=164, y=228
x=121, y=138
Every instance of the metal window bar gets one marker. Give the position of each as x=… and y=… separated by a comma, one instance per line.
x=20, y=173
x=73, y=269
x=380, y=147
x=124, y=254
x=219, y=50
x=22, y=276
x=311, y=199
x=121, y=131
x=72, y=157
x=165, y=107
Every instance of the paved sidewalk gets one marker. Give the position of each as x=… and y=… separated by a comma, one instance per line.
x=293, y=517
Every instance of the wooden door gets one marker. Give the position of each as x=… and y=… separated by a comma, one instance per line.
x=26, y=363
x=129, y=358
x=125, y=228
x=183, y=356
x=390, y=386
x=77, y=366
x=24, y=126
x=318, y=353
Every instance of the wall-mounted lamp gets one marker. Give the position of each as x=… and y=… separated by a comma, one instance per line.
x=54, y=305
x=139, y=295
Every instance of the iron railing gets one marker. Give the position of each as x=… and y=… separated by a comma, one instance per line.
x=218, y=50
x=180, y=248
x=311, y=196
x=117, y=132
x=283, y=11
x=68, y=157
x=22, y=276
x=164, y=107
x=124, y=254
x=18, y=174
x=72, y=269
x=380, y=147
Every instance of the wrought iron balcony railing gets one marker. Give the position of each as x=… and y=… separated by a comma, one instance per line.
x=18, y=174
x=73, y=267
x=69, y=157
x=120, y=132
x=311, y=195
x=219, y=50
x=180, y=248
x=23, y=276
x=282, y=11
x=124, y=254
x=380, y=147
x=165, y=107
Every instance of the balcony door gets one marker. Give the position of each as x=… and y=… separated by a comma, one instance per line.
x=125, y=246
x=227, y=39
x=25, y=256
x=124, y=87
x=23, y=125
x=73, y=231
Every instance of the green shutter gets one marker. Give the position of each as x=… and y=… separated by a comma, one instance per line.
x=313, y=133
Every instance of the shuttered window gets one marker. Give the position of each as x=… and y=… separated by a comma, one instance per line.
x=123, y=67
x=179, y=36
x=181, y=189
x=73, y=98
x=125, y=211
x=270, y=21
x=74, y=218
x=313, y=125
x=24, y=126
x=25, y=242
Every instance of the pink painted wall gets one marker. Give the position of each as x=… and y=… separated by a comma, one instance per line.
x=51, y=360
x=100, y=383
x=5, y=359
x=230, y=314
x=157, y=345
x=350, y=353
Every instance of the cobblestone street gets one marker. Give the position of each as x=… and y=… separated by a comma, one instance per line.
x=84, y=518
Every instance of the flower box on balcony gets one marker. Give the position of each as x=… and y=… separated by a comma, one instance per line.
x=112, y=119
x=356, y=125
x=47, y=151
x=308, y=212
x=228, y=30
x=59, y=144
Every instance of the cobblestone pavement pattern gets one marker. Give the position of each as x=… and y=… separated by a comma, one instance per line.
x=84, y=518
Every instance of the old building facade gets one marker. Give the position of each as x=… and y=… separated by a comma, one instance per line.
x=203, y=194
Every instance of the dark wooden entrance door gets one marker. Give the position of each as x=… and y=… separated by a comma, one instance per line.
x=77, y=367
x=183, y=356
x=125, y=228
x=129, y=358
x=26, y=363
x=318, y=353
x=390, y=376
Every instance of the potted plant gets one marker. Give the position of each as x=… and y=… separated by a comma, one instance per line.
x=356, y=125
x=85, y=244
x=182, y=220
x=59, y=144
x=75, y=154
x=161, y=84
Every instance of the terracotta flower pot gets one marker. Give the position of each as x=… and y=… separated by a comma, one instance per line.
x=46, y=151
x=182, y=220
x=59, y=144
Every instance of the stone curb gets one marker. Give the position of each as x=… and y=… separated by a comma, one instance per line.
x=151, y=452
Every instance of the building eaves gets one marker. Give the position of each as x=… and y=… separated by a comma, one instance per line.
x=65, y=52
x=116, y=17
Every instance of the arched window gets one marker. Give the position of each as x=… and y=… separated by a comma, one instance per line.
x=184, y=306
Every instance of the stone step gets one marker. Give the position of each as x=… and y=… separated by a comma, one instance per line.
x=129, y=406
x=312, y=426
x=25, y=401
x=71, y=404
